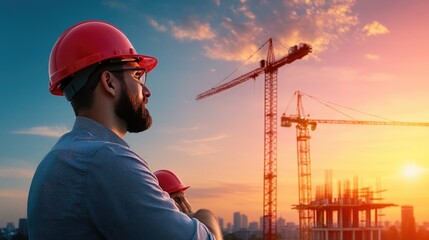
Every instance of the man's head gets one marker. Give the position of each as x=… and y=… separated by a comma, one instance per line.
x=131, y=105
x=94, y=51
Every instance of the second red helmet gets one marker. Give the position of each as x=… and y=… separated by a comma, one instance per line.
x=169, y=182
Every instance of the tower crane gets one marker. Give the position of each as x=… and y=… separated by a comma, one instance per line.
x=269, y=67
x=303, y=124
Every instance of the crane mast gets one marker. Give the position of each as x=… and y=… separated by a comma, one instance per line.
x=304, y=174
x=303, y=124
x=269, y=67
x=270, y=148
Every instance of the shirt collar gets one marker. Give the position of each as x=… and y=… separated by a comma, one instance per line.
x=98, y=130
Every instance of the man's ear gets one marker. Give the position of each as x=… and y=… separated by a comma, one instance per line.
x=108, y=83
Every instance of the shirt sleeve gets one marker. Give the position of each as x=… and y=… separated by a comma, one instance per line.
x=124, y=200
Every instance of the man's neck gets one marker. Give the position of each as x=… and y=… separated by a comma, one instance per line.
x=115, y=124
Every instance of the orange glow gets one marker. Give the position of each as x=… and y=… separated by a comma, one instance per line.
x=411, y=171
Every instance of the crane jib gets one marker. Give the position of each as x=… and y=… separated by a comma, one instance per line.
x=298, y=52
x=295, y=119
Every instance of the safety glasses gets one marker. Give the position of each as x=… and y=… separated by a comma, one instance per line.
x=140, y=74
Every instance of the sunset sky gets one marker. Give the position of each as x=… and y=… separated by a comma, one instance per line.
x=371, y=56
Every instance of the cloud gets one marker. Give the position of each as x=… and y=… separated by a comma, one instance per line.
x=246, y=26
x=17, y=172
x=375, y=28
x=44, y=131
x=223, y=189
x=379, y=77
x=239, y=43
x=372, y=57
x=156, y=25
x=210, y=139
x=192, y=29
x=184, y=129
x=13, y=193
x=244, y=9
x=320, y=23
x=195, y=150
x=198, y=147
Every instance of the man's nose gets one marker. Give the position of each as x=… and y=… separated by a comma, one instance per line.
x=146, y=91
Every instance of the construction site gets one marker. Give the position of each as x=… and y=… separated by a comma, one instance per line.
x=353, y=212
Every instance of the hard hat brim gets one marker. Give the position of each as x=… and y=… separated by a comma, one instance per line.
x=144, y=61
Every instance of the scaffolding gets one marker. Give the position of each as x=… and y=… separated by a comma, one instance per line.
x=353, y=215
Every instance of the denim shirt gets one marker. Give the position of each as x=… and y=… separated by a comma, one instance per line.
x=91, y=185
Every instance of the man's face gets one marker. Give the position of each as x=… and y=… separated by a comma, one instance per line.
x=131, y=106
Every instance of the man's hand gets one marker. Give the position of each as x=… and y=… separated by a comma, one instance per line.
x=203, y=215
x=181, y=202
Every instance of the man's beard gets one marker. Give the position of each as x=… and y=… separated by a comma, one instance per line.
x=132, y=111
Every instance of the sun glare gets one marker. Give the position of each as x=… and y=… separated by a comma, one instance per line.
x=411, y=171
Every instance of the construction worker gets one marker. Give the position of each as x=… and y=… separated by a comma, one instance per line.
x=91, y=185
x=171, y=183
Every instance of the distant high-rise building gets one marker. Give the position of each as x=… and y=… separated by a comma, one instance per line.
x=228, y=227
x=253, y=226
x=236, y=221
x=280, y=224
x=220, y=220
x=290, y=231
x=244, y=222
x=22, y=227
x=387, y=224
x=10, y=226
x=398, y=224
x=426, y=225
x=408, y=224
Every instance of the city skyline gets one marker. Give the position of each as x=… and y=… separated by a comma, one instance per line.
x=241, y=228
x=406, y=216
x=367, y=55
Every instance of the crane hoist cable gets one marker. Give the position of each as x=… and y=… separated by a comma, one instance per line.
x=242, y=64
x=290, y=102
x=329, y=105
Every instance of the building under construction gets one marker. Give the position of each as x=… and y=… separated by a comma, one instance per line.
x=354, y=214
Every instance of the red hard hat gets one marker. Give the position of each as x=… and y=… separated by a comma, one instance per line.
x=87, y=43
x=169, y=182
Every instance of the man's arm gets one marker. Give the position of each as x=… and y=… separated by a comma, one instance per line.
x=123, y=192
x=208, y=218
x=203, y=215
